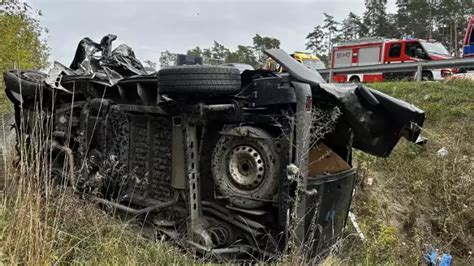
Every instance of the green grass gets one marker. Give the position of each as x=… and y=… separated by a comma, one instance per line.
x=419, y=201
x=442, y=102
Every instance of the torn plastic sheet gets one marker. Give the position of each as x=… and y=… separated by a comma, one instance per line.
x=97, y=62
x=92, y=57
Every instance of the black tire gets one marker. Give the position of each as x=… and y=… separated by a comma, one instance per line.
x=354, y=79
x=26, y=83
x=260, y=177
x=199, y=80
x=427, y=76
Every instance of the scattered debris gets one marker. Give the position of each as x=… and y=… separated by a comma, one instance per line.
x=369, y=181
x=443, y=152
x=469, y=76
x=435, y=258
x=356, y=226
x=421, y=140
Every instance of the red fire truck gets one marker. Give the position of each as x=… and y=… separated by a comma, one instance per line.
x=374, y=51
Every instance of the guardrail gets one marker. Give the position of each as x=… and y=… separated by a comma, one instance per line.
x=417, y=67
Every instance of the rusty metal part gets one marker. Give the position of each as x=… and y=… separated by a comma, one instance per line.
x=197, y=224
x=70, y=160
x=246, y=167
x=247, y=211
x=135, y=211
x=178, y=175
x=216, y=251
x=226, y=212
x=219, y=107
x=232, y=221
x=142, y=109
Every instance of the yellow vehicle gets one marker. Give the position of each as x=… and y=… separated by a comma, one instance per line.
x=311, y=61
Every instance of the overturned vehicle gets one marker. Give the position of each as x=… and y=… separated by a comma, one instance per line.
x=228, y=164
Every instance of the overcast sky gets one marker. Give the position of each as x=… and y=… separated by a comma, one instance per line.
x=151, y=27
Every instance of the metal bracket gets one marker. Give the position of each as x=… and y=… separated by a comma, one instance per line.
x=196, y=224
x=302, y=141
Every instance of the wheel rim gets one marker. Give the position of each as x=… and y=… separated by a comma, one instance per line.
x=246, y=167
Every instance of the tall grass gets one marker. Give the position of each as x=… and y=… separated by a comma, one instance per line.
x=42, y=220
x=419, y=200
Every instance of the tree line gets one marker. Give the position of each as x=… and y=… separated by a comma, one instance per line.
x=441, y=20
x=248, y=54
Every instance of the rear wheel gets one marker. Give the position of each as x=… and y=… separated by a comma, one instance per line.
x=245, y=168
x=354, y=79
x=199, y=80
x=427, y=76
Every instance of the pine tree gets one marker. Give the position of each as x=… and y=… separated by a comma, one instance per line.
x=262, y=43
x=196, y=51
x=317, y=41
x=450, y=17
x=219, y=51
x=376, y=19
x=351, y=27
x=243, y=54
x=167, y=59
x=414, y=19
x=331, y=28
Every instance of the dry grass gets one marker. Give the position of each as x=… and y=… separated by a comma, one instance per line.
x=416, y=202
x=43, y=223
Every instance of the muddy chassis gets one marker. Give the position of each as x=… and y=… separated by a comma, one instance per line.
x=232, y=165
x=219, y=173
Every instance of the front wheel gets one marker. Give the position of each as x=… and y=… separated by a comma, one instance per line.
x=427, y=76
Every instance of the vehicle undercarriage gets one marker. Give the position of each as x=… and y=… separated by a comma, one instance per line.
x=228, y=164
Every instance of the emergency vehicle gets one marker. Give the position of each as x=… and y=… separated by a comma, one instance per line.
x=375, y=51
x=309, y=60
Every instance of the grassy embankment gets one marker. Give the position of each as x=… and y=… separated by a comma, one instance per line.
x=416, y=201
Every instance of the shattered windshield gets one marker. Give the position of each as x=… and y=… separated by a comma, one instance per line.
x=314, y=64
x=435, y=48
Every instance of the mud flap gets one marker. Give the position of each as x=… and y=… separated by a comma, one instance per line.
x=328, y=198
